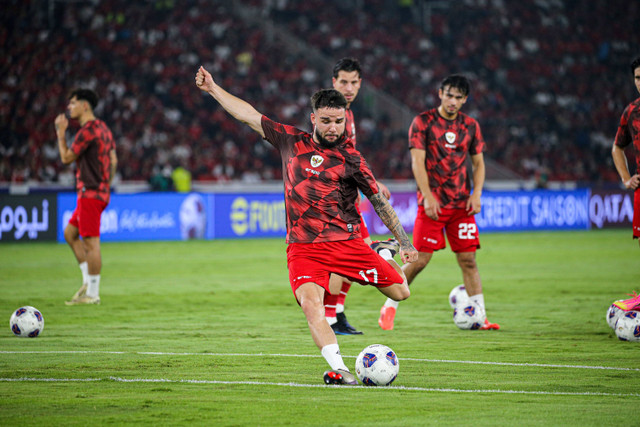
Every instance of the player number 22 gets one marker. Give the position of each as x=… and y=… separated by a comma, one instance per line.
x=467, y=231
x=369, y=272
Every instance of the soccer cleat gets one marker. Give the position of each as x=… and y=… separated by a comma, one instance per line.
x=343, y=327
x=80, y=292
x=340, y=376
x=387, y=315
x=85, y=299
x=632, y=303
x=391, y=244
x=488, y=325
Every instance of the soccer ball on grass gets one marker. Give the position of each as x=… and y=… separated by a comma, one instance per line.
x=27, y=321
x=468, y=315
x=628, y=326
x=377, y=365
x=458, y=295
x=613, y=314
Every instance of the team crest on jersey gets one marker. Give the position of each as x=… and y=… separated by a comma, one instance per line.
x=451, y=137
x=316, y=161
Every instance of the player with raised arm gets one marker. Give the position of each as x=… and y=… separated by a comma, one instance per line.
x=94, y=152
x=322, y=173
x=629, y=134
x=347, y=79
x=441, y=140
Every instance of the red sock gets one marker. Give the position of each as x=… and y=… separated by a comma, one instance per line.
x=343, y=292
x=330, y=302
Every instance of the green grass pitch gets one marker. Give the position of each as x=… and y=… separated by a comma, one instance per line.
x=209, y=333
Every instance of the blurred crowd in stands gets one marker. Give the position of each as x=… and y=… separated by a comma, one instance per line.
x=550, y=79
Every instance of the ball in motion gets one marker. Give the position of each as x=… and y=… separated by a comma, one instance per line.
x=457, y=295
x=613, y=314
x=27, y=321
x=468, y=315
x=628, y=326
x=377, y=365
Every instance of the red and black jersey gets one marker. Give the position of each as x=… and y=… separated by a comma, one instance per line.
x=629, y=130
x=321, y=185
x=92, y=145
x=447, y=144
x=350, y=126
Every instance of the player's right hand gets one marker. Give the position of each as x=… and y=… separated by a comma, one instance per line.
x=431, y=207
x=204, y=80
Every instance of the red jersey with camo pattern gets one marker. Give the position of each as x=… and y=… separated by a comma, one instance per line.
x=321, y=185
x=629, y=130
x=92, y=145
x=350, y=126
x=447, y=144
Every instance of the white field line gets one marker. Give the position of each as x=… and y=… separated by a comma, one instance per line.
x=468, y=362
x=292, y=384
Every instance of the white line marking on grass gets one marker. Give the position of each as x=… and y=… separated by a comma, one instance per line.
x=468, y=362
x=291, y=384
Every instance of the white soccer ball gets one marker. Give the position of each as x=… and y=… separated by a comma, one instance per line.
x=27, y=321
x=613, y=314
x=468, y=315
x=377, y=365
x=628, y=326
x=457, y=295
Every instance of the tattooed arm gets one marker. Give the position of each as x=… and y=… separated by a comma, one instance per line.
x=389, y=217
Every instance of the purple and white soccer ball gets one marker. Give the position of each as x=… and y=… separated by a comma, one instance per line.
x=628, y=326
x=26, y=322
x=613, y=314
x=457, y=295
x=468, y=315
x=377, y=365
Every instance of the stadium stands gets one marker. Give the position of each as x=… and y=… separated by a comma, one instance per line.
x=550, y=79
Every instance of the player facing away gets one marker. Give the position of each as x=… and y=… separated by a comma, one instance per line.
x=94, y=152
x=440, y=141
x=322, y=173
x=347, y=79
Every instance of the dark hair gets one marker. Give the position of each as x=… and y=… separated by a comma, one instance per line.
x=457, y=81
x=348, y=65
x=635, y=64
x=328, y=98
x=85, y=95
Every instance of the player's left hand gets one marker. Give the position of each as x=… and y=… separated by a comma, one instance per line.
x=408, y=253
x=473, y=205
x=384, y=190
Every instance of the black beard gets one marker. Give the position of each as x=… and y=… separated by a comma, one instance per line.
x=326, y=143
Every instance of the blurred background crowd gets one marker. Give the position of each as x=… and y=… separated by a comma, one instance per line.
x=550, y=79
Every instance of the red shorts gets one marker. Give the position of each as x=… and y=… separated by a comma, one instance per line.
x=353, y=259
x=461, y=229
x=636, y=214
x=86, y=217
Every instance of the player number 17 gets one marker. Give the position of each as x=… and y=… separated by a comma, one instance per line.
x=373, y=272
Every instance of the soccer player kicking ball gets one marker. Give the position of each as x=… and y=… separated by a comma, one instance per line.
x=440, y=140
x=322, y=174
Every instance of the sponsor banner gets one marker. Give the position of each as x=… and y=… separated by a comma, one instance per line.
x=241, y=215
x=147, y=216
x=404, y=203
x=503, y=211
x=613, y=208
x=534, y=210
x=28, y=218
